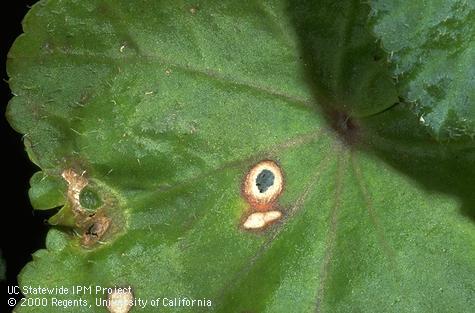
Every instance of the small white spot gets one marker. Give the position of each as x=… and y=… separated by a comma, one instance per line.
x=422, y=120
x=120, y=302
x=261, y=219
x=122, y=48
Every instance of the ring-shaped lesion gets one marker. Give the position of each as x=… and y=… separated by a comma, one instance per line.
x=262, y=186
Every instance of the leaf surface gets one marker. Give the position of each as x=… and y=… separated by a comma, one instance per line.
x=432, y=47
x=162, y=107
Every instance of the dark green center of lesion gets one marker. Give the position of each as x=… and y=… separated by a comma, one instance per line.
x=89, y=199
x=264, y=180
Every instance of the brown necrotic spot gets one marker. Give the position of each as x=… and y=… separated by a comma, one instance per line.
x=91, y=215
x=95, y=230
x=263, y=184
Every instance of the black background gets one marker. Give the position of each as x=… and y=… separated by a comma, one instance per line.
x=23, y=231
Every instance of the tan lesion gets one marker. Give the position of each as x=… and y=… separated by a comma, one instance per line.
x=120, y=302
x=258, y=220
x=263, y=208
x=97, y=227
x=76, y=183
x=263, y=200
x=91, y=225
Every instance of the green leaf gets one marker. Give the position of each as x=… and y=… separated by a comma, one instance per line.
x=432, y=47
x=161, y=108
x=347, y=68
x=46, y=192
